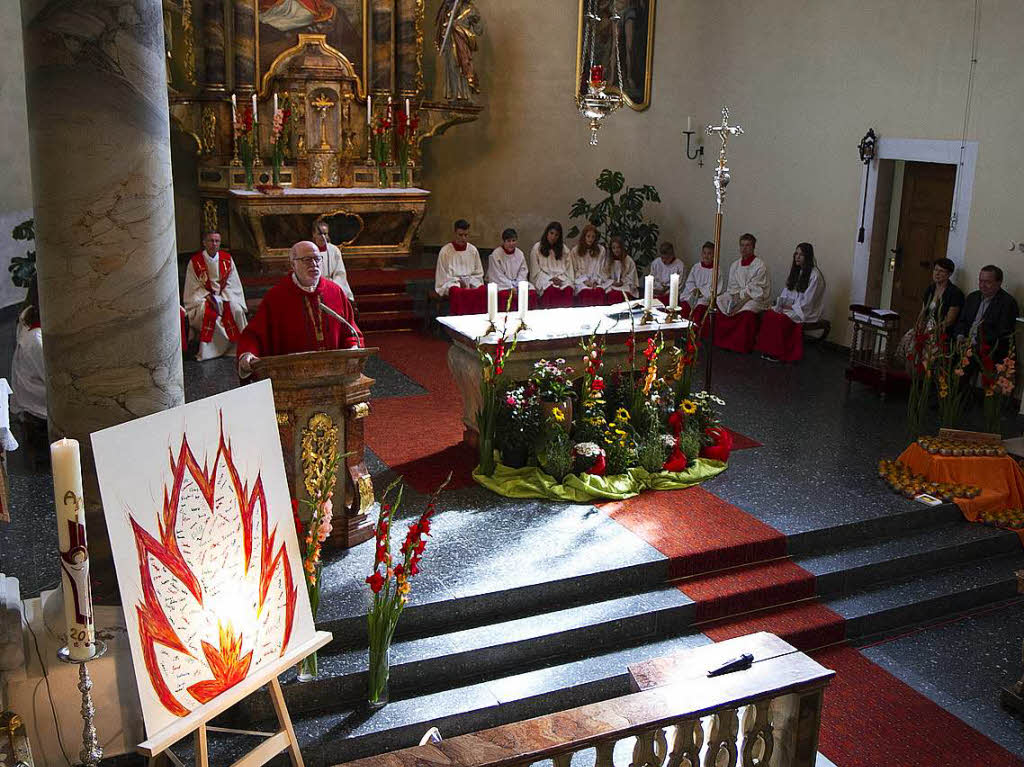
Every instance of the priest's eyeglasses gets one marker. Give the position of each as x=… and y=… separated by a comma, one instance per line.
x=310, y=260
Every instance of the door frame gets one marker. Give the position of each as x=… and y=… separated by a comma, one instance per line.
x=945, y=152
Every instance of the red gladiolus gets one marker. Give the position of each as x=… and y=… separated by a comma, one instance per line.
x=597, y=384
x=299, y=527
x=376, y=582
x=414, y=567
x=425, y=525
x=399, y=571
x=649, y=351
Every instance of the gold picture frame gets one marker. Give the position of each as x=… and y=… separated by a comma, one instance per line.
x=640, y=14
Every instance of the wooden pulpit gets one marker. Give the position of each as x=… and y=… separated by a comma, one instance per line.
x=321, y=400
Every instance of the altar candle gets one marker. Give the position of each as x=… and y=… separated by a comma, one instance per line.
x=673, y=292
x=255, y=117
x=407, y=112
x=689, y=124
x=524, y=297
x=369, y=109
x=234, y=110
x=492, y=302
x=66, y=465
x=648, y=292
x=275, y=103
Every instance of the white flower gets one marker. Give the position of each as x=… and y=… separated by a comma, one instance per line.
x=668, y=440
x=587, y=450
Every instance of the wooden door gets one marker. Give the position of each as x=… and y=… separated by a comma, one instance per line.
x=923, y=233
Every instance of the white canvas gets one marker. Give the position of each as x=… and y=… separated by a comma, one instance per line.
x=193, y=536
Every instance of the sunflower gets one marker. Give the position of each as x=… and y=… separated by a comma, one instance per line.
x=558, y=414
x=688, y=406
x=622, y=414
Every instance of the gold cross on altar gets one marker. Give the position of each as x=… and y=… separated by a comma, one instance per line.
x=321, y=103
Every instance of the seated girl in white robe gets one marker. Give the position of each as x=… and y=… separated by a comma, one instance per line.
x=781, y=337
x=551, y=269
x=622, y=275
x=590, y=264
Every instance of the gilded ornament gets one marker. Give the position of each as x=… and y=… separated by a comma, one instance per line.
x=282, y=417
x=360, y=410
x=209, y=120
x=189, y=35
x=319, y=450
x=365, y=487
x=210, y=223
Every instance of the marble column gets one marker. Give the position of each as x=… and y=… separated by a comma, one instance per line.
x=244, y=36
x=96, y=89
x=212, y=35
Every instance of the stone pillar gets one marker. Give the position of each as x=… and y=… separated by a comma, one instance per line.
x=244, y=43
x=96, y=87
x=212, y=35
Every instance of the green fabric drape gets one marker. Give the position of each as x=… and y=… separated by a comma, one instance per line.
x=532, y=482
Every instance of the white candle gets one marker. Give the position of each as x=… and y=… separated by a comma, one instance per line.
x=673, y=292
x=524, y=297
x=275, y=103
x=255, y=117
x=234, y=111
x=689, y=124
x=74, y=556
x=407, y=112
x=369, y=109
x=492, y=302
x=648, y=292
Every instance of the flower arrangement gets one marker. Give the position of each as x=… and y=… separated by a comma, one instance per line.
x=245, y=141
x=277, y=143
x=553, y=380
x=391, y=582
x=555, y=452
x=950, y=363
x=405, y=141
x=589, y=458
x=492, y=370
x=683, y=363
x=311, y=538
x=921, y=359
x=997, y=382
x=518, y=421
x=380, y=145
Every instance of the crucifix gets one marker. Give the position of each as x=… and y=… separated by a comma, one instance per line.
x=722, y=177
x=321, y=103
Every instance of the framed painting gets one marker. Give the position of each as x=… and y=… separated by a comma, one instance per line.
x=625, y=28
x=280, y=22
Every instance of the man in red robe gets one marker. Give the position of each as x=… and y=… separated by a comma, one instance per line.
x=299, y=314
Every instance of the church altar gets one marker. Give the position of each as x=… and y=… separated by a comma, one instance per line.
x=374, y=226
x=549, y=334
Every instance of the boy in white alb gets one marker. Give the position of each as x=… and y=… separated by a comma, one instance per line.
x=460, y=274
x=506, y=268
x=662, y=270
x=748, y=295
x=696, y=293
x=333, y=264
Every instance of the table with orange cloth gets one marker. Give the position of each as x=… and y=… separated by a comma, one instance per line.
x=999, y=477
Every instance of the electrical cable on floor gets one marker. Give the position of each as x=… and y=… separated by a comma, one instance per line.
x=46, y=679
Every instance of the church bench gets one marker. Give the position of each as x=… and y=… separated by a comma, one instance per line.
x=784, y=689
x=437, y=306
x=824, y=327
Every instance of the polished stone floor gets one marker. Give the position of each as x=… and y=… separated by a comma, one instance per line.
x=816, y=469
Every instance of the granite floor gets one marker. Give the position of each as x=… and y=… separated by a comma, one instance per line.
x=816, y=469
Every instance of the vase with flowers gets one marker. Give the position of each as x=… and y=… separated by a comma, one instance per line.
x=245, y=141
x=997, y=382
x=405, y=138
x=553, y=382
x=381, y=147
x=390, y=584
x=277, y=144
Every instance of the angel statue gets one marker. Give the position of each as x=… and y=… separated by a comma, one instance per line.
x=457, y=38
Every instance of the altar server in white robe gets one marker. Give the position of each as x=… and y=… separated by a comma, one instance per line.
x=506, y=268
x=460, y=273
x=781, y=337
x=28, y=370
x=590, y=267
x=551, y=269
x=748, y=295
x=213, y=299
x=662, y=269
x=622, y=274
x=333, y=265
x=696, y=293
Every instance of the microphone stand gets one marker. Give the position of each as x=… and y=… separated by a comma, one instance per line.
x=360, y=342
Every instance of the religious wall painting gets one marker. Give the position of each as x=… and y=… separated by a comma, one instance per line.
x=631, y=24
x=342, y=22
x=200, y=521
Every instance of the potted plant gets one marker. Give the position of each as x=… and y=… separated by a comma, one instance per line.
x=621, y=212
x=555, y=451
x=553, y=383
x=518, y=425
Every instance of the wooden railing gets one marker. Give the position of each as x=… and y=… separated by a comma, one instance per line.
x=767, y=715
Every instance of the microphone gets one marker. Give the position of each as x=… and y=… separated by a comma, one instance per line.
x=360, y=343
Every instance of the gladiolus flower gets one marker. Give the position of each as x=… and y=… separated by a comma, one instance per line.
x=376, y=582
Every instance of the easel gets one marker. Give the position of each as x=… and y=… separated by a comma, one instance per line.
x=157, y=747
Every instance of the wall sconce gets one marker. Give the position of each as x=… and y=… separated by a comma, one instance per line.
x=866, y=148
x=698, y=153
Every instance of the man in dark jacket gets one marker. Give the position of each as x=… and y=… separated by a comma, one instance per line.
x=989, y=316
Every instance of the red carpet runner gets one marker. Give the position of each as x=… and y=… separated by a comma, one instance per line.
x=735, y=568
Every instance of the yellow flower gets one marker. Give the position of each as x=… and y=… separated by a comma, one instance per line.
x=622, y=414
x=558, y=414
x=688, y=406
x=620, y=432
x=403, y=587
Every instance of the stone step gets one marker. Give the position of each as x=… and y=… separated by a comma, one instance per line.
x=929, y=596
x=429, y=663
x=383, y=302
x=389, y=320
x=861, y=564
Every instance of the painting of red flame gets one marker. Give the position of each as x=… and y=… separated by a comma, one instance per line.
x=200, y=522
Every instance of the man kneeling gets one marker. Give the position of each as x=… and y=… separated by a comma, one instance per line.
x=303, y=312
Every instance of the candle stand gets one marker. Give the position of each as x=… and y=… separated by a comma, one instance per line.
x=673, y=315
x=647, y=317
x=91, y=752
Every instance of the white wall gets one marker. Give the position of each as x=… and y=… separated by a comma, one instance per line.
x=16, y=190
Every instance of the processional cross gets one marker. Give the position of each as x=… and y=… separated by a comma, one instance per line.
x=722, y=178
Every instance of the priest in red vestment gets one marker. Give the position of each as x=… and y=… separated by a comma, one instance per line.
x=298, y=314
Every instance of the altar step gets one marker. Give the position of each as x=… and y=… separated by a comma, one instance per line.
x=466, y=663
